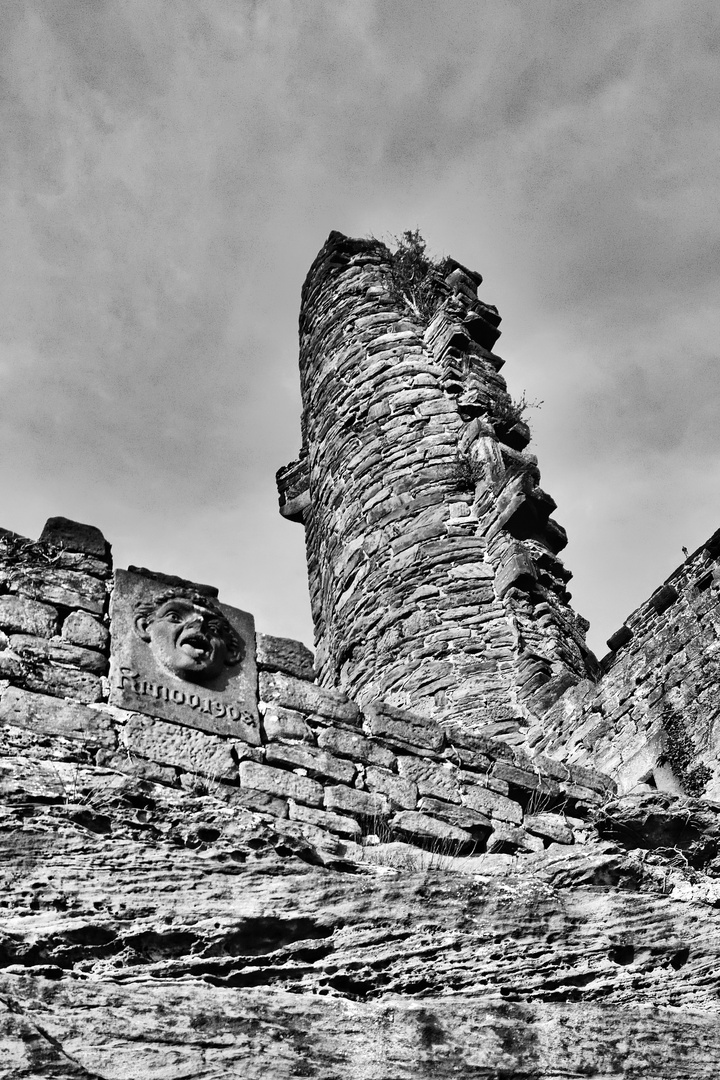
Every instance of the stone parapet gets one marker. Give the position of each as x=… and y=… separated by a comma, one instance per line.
x=338, y=772
x=293, y=749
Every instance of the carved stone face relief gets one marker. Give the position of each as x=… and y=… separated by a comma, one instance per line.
x=188, y=636
x=178, y=653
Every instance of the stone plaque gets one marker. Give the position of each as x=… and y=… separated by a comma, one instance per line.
x=179, y=653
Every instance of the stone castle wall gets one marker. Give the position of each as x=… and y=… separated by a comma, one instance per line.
x=432, y=556
x=654, y=715
x=417, y=862
x=332, y=771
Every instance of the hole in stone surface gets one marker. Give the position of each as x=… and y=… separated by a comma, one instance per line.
x=648, y=779
x=90, y=935
x=208, y=835
x=704, y=582
x=257, y=937
x=351, y=987
x=680, y=958
x=621, y=954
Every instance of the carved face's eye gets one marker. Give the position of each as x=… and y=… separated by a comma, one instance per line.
x=173, y=616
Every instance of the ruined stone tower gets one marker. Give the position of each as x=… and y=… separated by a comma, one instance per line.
x=215, y=863
x=432, y=556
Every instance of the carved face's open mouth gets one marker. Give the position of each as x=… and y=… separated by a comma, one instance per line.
x=195, y=644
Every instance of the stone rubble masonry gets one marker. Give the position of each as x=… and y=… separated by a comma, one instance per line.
x=653, y=718
x=432, y=557
x=371, y=788
x=322, y=763
x=53, y=603
x=334, y=767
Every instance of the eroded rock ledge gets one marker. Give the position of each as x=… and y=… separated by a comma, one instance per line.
x=149, y=932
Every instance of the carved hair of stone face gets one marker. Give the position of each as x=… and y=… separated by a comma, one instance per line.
x=188, y=635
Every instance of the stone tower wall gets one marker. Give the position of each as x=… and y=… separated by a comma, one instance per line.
x=432, y=558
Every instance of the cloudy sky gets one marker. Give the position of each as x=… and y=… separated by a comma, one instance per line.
x=171, y=167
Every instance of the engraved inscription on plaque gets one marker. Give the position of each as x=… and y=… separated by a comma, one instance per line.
x=179, y=654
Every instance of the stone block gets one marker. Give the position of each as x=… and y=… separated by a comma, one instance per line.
x=361, y=803
x=349, y=744
x=401, y=793
x=281, y=725
x=262, y=802
x=181, y=655
x=507, y=836
x=73, y=536
x=143, y=770
x=663, y=598
x=335, y=823
x=50, y=716
x=393, y=724
x=619, y=638
x=524, y=778
x=188, y=749
x=550, y=826
x=317, y=762
x=61, y=652
x=84, y=564
x=490, y=802
x=470, y=758
x=244, y=752
x=276, y=688
x=591, y=778
x=417, y=826
x=280, y=783
x=286, y=655
x=80, y=628
x=481, y=744
x=517, y=571
x=67, y=588
x=582, y=794
x=64, y=682
x=18, y=614
x=462, y=816
x=11, y=667
x=430, y=779
x=556, y=770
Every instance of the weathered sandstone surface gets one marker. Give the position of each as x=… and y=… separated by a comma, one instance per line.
x=153, y=932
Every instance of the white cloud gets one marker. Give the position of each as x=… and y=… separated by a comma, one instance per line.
x=171, y=168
